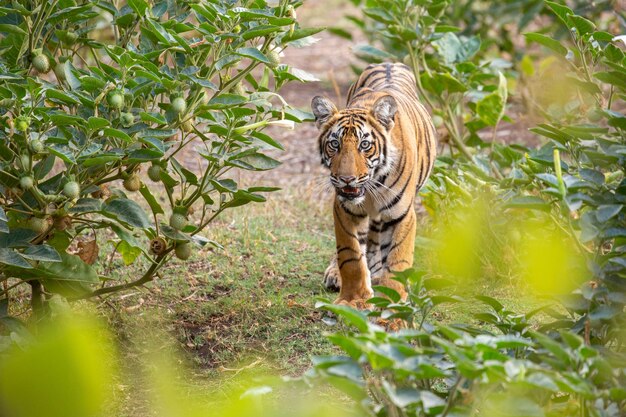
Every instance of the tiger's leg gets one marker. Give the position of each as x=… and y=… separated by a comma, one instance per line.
x=332, y=279
x=397, y=249
x=374, y=257
x=351, y=234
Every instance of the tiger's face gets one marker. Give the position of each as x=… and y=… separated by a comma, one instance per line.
x=354, y=144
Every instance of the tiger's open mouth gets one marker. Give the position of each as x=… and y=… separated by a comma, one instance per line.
x=351, y=192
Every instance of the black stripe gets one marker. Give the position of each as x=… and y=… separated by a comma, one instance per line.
x=347, y=248
x=397, y=220
x=341, y=224
x=402, y=261
x=358, y=216
x=350, y=260
x=399, y=196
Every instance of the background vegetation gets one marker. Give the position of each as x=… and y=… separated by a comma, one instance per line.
x=516, y=301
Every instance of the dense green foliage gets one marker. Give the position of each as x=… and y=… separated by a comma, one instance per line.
x=558, y=208
x=91, y=93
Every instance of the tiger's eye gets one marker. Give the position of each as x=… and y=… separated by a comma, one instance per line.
x=365, y=145
x=334, y=144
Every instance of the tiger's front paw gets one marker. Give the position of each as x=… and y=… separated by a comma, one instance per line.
x=357, y=299
x=332, y=278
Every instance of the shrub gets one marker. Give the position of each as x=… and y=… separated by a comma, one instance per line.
x=91, y=94
x=431, y=369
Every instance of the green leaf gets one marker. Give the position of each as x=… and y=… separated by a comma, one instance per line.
x=126, y=211
x=391, y=293
x=116, y=133
x=129, y=252
x=582, y=25
x=151, y=200
x=547, y=41
x=562, y=11
x=12, y=258
x=606, y=212
x=96, y=123
x=70, y=268
x=529, y=202
x=350, y=315
x=615, y=78
x=226, y=100
x=492, y=302
x=257, y=162
x=86, y=205
x=152, y=118
x=41, y=253
x=253, y=53
x=139, y=6
x=301, y=33
x=56, y=95
x=491, y=108
x=173, y=234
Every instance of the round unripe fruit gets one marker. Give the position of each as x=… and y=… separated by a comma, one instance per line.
x=127, y=119
x=71, y=189
x=36, y=146
x=26, y=183
x=179, y=105
x=274, y=59
x=132, y=183
x=154, y=173
x=59, y=72
x=41, y=63
x=70, y=38
x=22, y=123
x=158, y=245
x=183, y=250
x=178, y=221
x=115, y=99
x=38, y=225
x=187, y=125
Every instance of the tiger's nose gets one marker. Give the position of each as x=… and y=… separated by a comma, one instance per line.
x=347, y=180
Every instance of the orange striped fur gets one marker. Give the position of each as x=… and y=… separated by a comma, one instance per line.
x=380, y=150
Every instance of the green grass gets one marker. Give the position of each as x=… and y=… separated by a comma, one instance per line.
x=253, y=300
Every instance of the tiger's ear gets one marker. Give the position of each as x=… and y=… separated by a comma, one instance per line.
x=323, y=109
x=384, y=110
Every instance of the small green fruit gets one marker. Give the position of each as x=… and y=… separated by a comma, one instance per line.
x=71, y=189
x=154, y=173
x=183, y=250
x=132, y=183
x=116, y=99
x=274, y=59
x=178, y=221
x=26, y=183
x=41, y=63
x=22, y=123
x=38, y=225
x=70, y=38
x=127, y=119
x=187, y=125
x=25, y=161
x=36, y=146
x=179, y=105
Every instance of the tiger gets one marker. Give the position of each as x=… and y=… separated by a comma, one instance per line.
x=380, y=150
